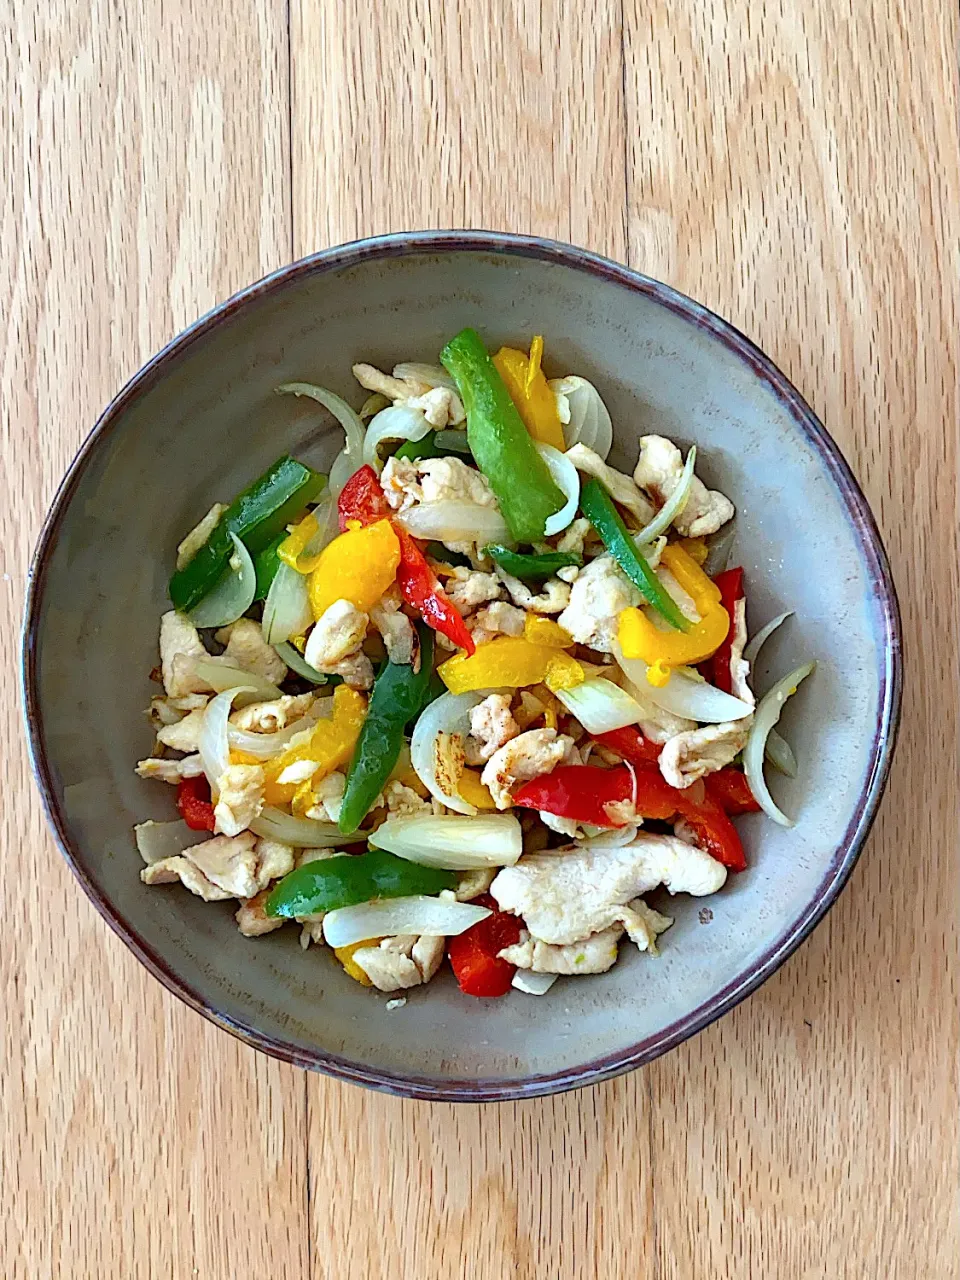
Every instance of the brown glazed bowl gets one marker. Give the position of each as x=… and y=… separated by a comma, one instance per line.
x=201, y=420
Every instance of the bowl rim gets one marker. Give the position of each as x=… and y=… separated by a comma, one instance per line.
x=858, y=512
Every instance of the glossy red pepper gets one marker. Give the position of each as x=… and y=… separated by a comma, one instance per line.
x=195, y=803
x=474, y=955
x=578, y=791
x=730, y=583
x=731, y=790
x=631, y=744
x=714, y=831
x=362, y=498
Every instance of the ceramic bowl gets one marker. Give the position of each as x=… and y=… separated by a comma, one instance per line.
x=201, y=419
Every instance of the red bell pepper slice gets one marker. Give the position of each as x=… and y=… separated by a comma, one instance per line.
x=631, y=744
x=474, y=954
x=195, y=803
x=578, y=791
x=730, y=583
x=731, y=790
x=715, y=833
x=362, y=498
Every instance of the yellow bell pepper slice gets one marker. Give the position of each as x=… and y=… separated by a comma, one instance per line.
x=663, y=650
x=471, y=789
x=357, y=566
x=531, y=393
x=696, y=549
x=330, y=745
x=291, y=549
x=509, y=661
x=563, y=672
x=350, y=966
x=541, y=630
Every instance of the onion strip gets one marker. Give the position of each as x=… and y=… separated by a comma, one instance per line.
x=601, y=706
x=221, y=676
x=673, y=506
x=780, y=754
x=267, y=745
x=763, y=635
x=295, y=661
x=768, y=713
x=159, y=840
x=398, y=422
x=232, y=596
x=213, y=739
x=435, y=917
x=447, y=714
x=286, y=610
x=567, y=479
x=453, y=841
x=683, y=694
x=455, y=521
x=533, y=984
x=305, y=833
x=350, y=457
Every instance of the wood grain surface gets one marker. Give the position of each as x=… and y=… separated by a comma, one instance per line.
x=795, y=166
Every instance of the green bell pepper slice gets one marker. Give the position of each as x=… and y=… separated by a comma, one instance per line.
x=530, y=568
x=266, y=563
x=425, y=448
x=499, y=441
x=437, y=551
x=330, y=883
x=397, y=698
x=597, y=505
x=256, y=516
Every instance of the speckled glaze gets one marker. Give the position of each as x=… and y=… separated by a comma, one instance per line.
x=200, y=420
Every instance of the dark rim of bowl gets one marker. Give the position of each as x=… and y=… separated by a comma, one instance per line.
x=868, y=538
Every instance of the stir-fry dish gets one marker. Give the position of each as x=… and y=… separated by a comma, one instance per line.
x=474, y=694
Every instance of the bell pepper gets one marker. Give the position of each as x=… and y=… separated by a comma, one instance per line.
x=731, y=790
x=530, y=392
x=631, y=744
x=713, y=829
x=471, y=789
x=362, y=499
x=511, y=662
x=358, y=566
x=437, y=551
x=291, y=550
x=661, y=650
x=396, y=699
x=265, y=564
x=578, y=791
x=530, y=568
x=730, y=585
x=425, y=448
x=500, y=442
x=696, y=549
x=597, y=505
x=195, y=804
x=330, y=745
x=475, y=953
x=350, y=966
x=256, y=516
x=330, y=883
x=540, y=630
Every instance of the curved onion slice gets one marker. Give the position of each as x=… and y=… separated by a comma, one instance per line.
x=212, y=742
x=267, y=745
x=399, y=422
x=434, y=375
x=673, y=506
x=768, y=713
x=453, y=841
x=455, y=521
x=447, y=714
x=683, y=695
x=583, y=413
x=306, y=833
x=567, y=479
x=392, y=916
x=763, y=635
x=609, y=837
x=159, y=840
x=221, y=676
x=350, y=457
x=295, y=662
x=286, y=610
x=533, y=984
x=601, y=706
x=232, y=596
x=780, y=754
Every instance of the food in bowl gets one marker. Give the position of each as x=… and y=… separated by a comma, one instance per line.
x=475, y=693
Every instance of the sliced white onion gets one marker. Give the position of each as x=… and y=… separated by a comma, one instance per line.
x=453, y=521
x=768, y=713
x=436, y=917
x=601, y=706
x=232, y=596
x=306, y=833
x=609, y=837
x=159, y=840
x=454, y=441
x=453, y=841
x=780, y=754
x=763, y=635
x=673, y=506
x=267, y=745
x=220, y=676
x=533, y=984
x=684, y=694
x=567, y=479
x=350, y=458
x=450, y=713
x=295, y=661
x=434, y=375
x=719, y=546
x=212, y=741
x=583, y=413
x=398, y=422
x=286, y=610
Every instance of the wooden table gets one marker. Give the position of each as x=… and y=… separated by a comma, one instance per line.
x=793, y=165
